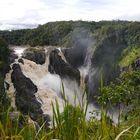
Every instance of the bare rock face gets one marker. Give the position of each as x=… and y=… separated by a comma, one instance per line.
x=75, y=56
x=12, y=56
x=21, y=61
x=26, y=101
x=37, y=55
x=59, y=66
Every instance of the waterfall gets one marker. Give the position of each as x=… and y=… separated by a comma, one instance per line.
x=50, y=85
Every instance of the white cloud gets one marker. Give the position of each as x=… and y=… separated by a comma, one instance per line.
x=14, y=10
x=42, y=11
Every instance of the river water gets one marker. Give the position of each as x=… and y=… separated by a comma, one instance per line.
x=50, y=86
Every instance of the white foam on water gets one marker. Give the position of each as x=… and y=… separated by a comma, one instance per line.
x=19, y=50
x=50, y=86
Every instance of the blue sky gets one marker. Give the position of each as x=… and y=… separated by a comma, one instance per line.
x=42, y=11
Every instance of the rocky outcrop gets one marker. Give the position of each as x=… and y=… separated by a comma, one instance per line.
x=21, y=61
x=75, y=56
x=37, y=55
x=104, y=66
x=59, y=66
x=80, y=40
x=6, y=66
x=12, y=56
x=26, y=101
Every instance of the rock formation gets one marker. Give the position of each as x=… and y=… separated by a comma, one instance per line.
x=37, y=55
x=58, y=66
x=26, y=101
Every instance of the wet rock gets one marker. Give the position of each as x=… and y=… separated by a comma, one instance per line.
x=26, y=101
x=75, y=56
x=59, y=66
x=77, y=46
x=5, y=69
x=21, y=61
x=37, y=55
x=6, y=85
x=104, y=66
x=12, y=56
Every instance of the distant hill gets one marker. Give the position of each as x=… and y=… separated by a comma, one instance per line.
x=56, y=33
x=13, y=26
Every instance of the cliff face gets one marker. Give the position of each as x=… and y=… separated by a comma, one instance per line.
x=25, y=99
x=104, y=65
x=35, y=54
x=61, y=67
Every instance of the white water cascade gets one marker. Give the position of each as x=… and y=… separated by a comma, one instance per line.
x=50, y=85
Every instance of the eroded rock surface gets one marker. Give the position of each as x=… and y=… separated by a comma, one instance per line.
x=37, y=55
x=59, y=66
x=26, y=101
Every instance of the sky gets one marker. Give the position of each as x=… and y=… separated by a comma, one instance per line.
x=29, y=13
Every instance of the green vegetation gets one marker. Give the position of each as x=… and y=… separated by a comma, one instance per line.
x=129, y=55
x=56, y=33
x=35, y=50
x=112, y=40
x=117, y=45
x=124, y=90
x=71, y=124
x=4, y=52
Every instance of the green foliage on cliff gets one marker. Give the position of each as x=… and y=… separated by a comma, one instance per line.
x=116, y=45
x=4, y=52
x=114, y=40
x=124, y=90
x=129, y=55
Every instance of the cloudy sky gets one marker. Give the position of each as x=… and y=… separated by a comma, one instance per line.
x=19, y=12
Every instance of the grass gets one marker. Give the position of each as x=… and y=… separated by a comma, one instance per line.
x=69, y=125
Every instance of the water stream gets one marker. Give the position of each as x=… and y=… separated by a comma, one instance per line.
x=50, y=85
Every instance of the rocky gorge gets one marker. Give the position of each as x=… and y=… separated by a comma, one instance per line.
x=35, y=81
x=37, y=75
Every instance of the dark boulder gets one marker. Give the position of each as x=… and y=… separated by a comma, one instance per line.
x=75, y=56
x=12, y=56
x=6, y=85
x=59, y=66
x=6, y=66
x=26, y=101
x=136, y=64
x=4, y=69
x=37, y=55
x=21, y=61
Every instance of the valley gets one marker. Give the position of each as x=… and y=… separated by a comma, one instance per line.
x=72, y=77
